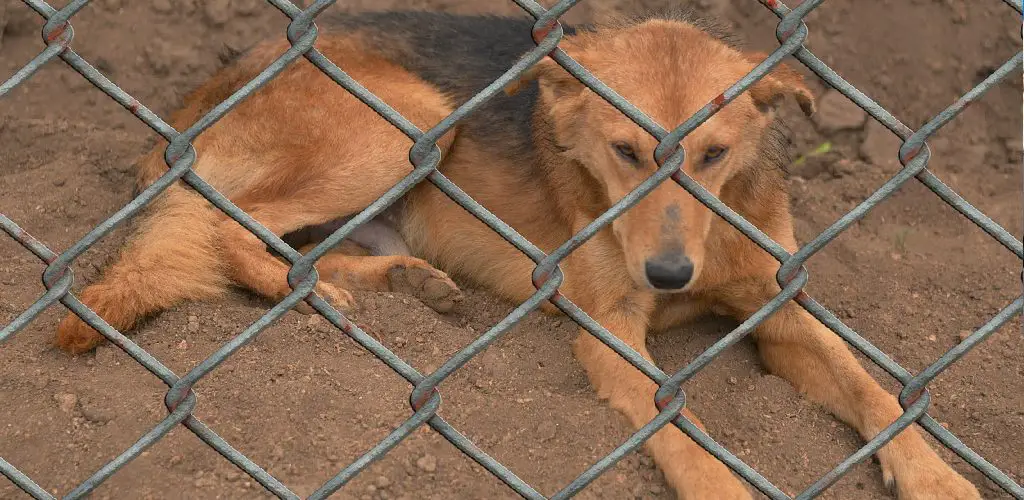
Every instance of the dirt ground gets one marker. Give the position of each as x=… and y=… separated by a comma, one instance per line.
x=303, y=401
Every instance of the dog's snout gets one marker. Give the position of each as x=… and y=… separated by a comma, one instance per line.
x=669, y=272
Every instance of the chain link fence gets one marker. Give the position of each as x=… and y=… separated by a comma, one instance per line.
x=424, y=399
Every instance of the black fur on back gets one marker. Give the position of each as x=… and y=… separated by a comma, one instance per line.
x=460, y=55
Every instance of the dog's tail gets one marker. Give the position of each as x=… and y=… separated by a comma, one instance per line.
x=172, y=257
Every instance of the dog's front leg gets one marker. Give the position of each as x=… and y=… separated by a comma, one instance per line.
x=688, y=468
x=796, y=346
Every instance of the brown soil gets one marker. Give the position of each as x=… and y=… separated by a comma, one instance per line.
x=303, y=400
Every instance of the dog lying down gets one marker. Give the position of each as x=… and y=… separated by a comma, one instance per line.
x=302, y=152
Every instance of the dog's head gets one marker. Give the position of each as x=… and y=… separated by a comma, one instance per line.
x=669, y=69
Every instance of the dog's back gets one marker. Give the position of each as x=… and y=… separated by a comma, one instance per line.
x=460, y=55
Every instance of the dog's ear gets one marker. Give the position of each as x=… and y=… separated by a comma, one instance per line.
x=553, y=79
x=777, y=84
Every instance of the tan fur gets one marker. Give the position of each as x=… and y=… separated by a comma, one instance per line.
x=291, y=165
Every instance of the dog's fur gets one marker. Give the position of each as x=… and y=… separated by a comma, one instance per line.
x=302, y=152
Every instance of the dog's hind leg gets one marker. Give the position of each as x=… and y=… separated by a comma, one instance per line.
x=252, y=267
x=395, y=273
x=384, y=263
x=171, y=258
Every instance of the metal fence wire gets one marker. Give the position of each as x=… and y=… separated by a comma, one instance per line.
x=425, y=157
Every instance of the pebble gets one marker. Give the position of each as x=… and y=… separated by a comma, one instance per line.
x=217, y=12
x=733, y=381
x=836, y=112
x=427, y=463
x=95, y=413
x=66, y=401
x=383, y=482
x=247, y=7
x=315, y=321
x=963, y=335
x=162, y=6
x=546, y=430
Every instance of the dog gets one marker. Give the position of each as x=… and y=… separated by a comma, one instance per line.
x=301, y=155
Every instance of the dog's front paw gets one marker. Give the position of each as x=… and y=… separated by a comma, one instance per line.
x=932, y=482
x=426, y=283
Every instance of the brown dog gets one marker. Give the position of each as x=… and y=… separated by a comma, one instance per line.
x=547, y=160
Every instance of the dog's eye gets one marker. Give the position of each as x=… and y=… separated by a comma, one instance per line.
x=714, y=153
x=625, y=151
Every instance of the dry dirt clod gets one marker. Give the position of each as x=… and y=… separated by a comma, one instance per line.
x=836, y=113
x=162, y=6
x=427, y=463
x=880, y=146
x=217, y=12
x=66, y=401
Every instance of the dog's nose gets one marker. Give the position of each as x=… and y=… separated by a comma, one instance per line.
x=670, y=272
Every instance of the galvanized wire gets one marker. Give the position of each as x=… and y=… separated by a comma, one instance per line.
x=424, y=157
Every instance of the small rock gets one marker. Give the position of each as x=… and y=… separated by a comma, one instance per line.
x=546, y=430
x=427, y=463
x=733, y=381
x=96, y=413
x=382, y=482
x=932, y=338
x=315, y=322
x=217, y=12
x=175, y=460
x=40, y=382
x=880, y=146
x=182, y=345
x=162, y=6
x=247, y=7
x=836, y=112
x=963, y=335
x=66, y=401
x=1014, y=149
